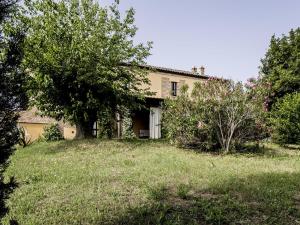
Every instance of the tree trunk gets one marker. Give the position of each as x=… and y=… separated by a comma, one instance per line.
x=227, y=149
x=84, y=130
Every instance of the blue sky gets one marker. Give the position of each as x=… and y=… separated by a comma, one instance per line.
x=228, y=37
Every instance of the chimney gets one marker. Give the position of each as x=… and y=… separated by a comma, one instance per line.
x=194, y=69
x=202, y=71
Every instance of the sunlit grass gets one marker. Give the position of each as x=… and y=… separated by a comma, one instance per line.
x=147, y=182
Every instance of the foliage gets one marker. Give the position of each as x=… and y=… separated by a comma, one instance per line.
x=279, y=78
x=285, y=120
x=52, y=133
x=151, y=182
x=219, y=113
x=12, y=98
x=6, y=8
x=179, y=122
x=24, y=141
x=82, y=60
x=280, y=67
x=127, y=126
x=107, y=124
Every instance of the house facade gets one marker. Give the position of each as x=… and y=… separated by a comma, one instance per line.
x=164, y=82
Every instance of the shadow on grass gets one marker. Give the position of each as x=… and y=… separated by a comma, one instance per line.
x=292, y=147
x=269, y=198
x=251, y=150
x=5, y=190
x=269, y=150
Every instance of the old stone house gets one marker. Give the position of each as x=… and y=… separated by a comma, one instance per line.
x=164, y=82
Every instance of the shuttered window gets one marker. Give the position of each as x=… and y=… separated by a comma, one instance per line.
x=174, y=88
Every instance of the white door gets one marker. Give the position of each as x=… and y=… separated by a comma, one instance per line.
x=155, y=123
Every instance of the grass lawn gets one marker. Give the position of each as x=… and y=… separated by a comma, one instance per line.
x=147, y=182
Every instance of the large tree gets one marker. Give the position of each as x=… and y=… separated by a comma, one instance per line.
x=280, y=69
x=285, y=120
x=82, y=60
x=12, y=97
x=280, y=83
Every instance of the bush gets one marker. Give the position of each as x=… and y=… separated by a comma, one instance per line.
x=107, y=124
x=52, y=133
x=285, y=120
x=127, y=128
x=219, y=115
x=179, y=119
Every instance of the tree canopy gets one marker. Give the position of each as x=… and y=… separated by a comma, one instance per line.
x=280, y=82
x=280, y=67
x=6, y=7
x=12, y=94
x=12, y=97
x=82, y=60
x=285, y=120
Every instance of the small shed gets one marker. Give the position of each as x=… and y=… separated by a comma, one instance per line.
x=34, y=125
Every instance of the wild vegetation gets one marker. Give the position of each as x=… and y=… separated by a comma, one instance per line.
x=223, y=115
x=220, y=114
x=285, y=119
x=82, y=65
x=82, y=61
x=12, y=97
x=280, y=68
x=52, y=133
x=148, y=182
x=280, y=82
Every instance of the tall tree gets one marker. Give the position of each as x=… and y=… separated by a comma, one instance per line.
x=280, y=69
x=78, y=55
x=285, y=120
x=12, y=97
x=280, y=83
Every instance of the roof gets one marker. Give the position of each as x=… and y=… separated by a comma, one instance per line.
x=31, y=116
x=176, y=71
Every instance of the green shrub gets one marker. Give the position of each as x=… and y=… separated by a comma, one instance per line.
x=179, y=121
x=285, y=120
x=218, y=115
x=127, y=126
x=52, y=133
x=107, y=124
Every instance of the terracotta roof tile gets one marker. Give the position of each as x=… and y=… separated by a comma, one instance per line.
x=31, y=116
x=176, y=71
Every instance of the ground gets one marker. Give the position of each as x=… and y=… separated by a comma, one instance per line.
x=147, y=182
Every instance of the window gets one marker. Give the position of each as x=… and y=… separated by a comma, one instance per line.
x=174, y=88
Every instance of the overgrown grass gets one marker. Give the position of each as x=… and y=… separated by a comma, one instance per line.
x=144, y=182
